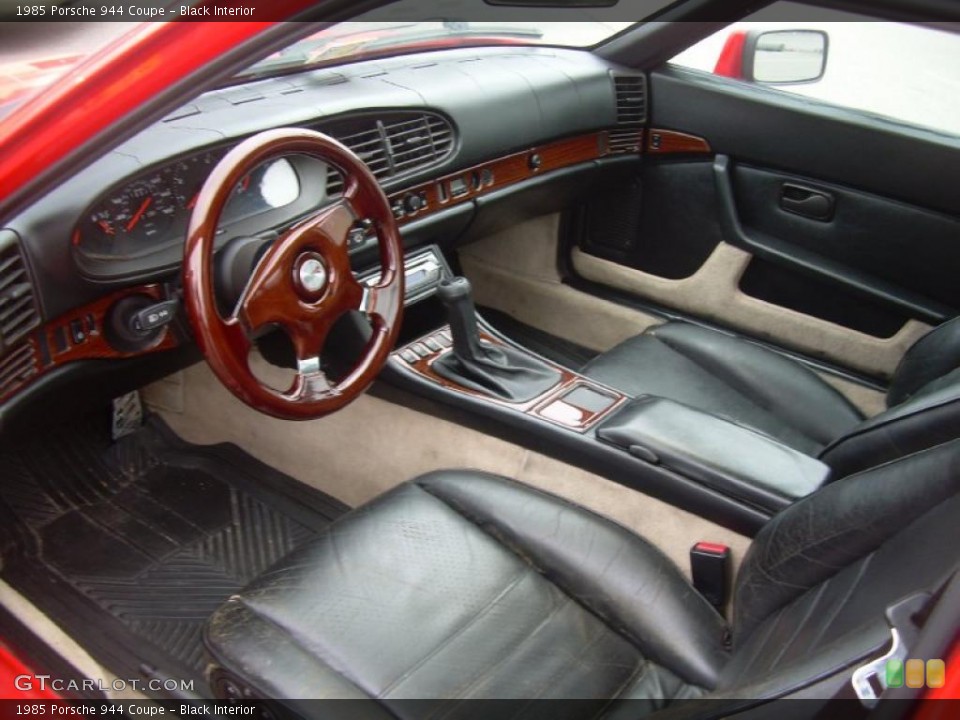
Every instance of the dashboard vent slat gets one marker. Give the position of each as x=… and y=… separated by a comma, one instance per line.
x=625, y=140
x=393, y=144
x=15, y=367
x=631, y=99
x=334, y=184
x=19, y=313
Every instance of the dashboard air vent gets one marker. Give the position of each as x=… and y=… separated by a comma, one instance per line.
x=420, y=142
x=334, y=183
x=394, y=144
x=18, y=306
x=15, y=367
x=631, y=94
x=624, y=140
x=369, y=146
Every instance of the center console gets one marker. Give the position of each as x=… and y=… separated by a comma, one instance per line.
x=697, y=461
x=722, y=455
x=571, y=401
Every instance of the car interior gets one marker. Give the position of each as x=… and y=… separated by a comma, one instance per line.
x=489, y=371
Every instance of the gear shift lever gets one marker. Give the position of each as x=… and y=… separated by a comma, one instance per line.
x=457, y=296
x=499, y=371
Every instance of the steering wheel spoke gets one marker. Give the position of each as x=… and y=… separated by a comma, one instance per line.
x=303, y=283
x=311, y=385
x=380, y=303
x=309, y=337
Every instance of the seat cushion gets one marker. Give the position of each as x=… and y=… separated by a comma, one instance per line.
x=465, y=585
x=732, y=378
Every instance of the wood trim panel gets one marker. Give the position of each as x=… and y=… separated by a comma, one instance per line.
x=54, y=345
x=547, y=406
x=662, y=142
x=561, y=411
x=459, y=187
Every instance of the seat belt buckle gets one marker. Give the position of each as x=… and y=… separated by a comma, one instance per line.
x=710, y=570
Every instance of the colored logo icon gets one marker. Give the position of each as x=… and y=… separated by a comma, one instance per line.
x=915, y=673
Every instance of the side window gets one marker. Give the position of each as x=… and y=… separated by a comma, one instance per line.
x=907, y=73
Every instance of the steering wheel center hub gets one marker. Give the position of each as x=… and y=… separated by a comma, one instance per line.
x=310, y=275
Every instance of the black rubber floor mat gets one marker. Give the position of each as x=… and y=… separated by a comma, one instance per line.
x=130, y=546
x=566, y=353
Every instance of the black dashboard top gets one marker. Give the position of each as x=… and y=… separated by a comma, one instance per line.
x=122, y=219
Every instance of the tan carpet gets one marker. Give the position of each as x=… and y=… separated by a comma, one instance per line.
x=374, y=445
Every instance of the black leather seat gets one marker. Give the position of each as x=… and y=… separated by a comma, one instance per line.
x=463, y=585
x=752, y=386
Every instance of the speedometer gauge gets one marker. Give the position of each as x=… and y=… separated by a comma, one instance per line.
x=129, y=221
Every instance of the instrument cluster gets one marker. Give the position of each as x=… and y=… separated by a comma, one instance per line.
x=152, y=212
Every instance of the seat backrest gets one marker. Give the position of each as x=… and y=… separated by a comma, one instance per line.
x=923, y=407
x=819, y=576
x=934, y=355
x=930, y=416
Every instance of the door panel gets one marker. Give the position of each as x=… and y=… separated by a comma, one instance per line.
x=660, y=219
x=916, y=249
x=777, y=130
x=788, y=288
x=822, y=230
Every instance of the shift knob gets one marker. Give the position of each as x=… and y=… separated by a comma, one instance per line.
x=457, y=296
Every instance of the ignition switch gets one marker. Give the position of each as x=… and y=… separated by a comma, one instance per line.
x=136, y=322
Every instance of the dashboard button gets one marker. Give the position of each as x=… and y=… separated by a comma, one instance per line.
x=421, y=350
x=414, y=203
x=77, y=333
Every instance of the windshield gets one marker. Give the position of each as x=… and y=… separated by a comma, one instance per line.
x=34, y=54
x=354, y=40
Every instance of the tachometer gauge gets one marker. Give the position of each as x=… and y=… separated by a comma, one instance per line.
x=186, y=177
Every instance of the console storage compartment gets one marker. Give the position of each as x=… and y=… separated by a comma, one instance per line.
x=729, y=458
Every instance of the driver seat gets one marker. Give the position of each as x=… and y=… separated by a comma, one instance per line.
x=463, y=585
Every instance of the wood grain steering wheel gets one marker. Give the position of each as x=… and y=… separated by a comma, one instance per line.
x=303, y=283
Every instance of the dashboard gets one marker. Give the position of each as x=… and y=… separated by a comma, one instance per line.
x=138, y=226
x=412, y=119
x=449, y=135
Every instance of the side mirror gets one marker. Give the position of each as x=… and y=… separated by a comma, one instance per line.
x=775, y=57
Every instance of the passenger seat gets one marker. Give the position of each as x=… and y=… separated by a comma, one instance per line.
x=745, y=383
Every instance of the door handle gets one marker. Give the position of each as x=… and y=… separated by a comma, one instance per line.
x=806, y=201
